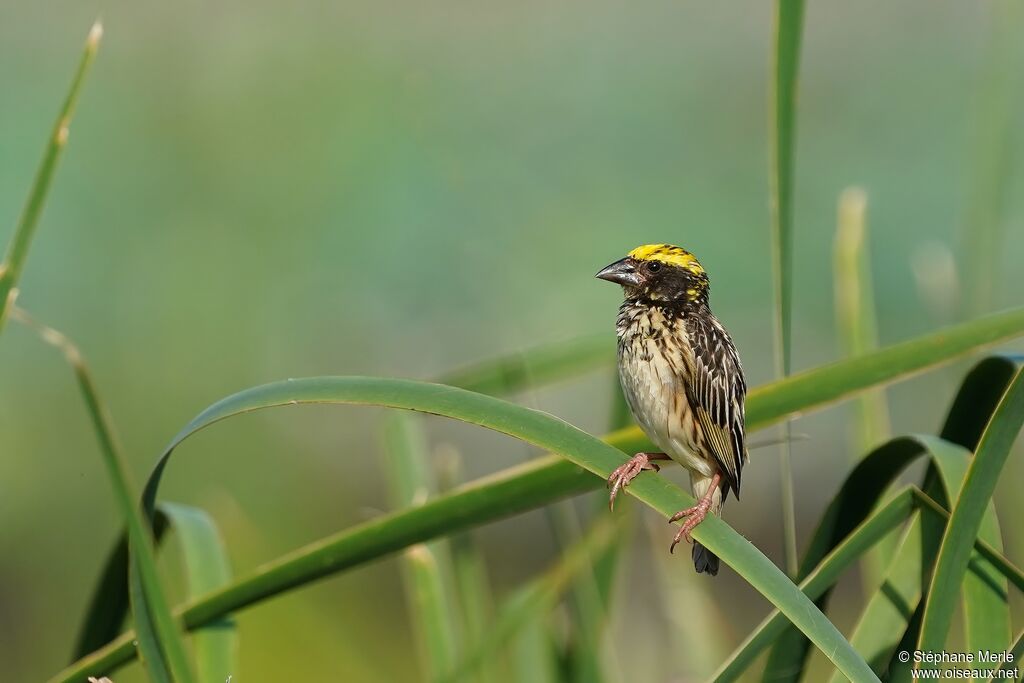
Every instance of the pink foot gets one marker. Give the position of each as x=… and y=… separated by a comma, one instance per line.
x=694, y=515
x=625, y=473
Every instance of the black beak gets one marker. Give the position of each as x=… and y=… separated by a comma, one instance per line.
x=621, y=272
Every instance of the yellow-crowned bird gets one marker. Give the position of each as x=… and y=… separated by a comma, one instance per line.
x=682, y=378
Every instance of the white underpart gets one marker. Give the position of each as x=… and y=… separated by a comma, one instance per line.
x=657, y=397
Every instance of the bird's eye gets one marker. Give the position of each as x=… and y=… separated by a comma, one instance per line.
x=653, y=266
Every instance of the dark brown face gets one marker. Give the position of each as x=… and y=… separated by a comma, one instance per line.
x=656, y=280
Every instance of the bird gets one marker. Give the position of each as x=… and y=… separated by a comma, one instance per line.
x=682, y=378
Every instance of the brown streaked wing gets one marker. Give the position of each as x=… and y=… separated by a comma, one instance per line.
x=717, y=391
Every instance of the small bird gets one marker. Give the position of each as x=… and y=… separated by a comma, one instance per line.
x=682, y=379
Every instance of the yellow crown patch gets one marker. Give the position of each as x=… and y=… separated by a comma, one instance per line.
x=667, y=253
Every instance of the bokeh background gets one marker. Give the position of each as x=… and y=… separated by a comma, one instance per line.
x=258, y=190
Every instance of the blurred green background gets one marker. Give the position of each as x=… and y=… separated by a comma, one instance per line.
x=259, y=190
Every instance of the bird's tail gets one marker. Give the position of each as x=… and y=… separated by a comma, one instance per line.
x=704, y=560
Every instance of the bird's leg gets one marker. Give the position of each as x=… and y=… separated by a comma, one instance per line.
x=694, y=515
x=626, y=472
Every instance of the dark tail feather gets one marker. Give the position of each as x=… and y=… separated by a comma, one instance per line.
x=704, y=560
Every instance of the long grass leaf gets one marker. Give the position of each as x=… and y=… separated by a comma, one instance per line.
x=857, y=330
x=214, y=646
x=785, y=67
x=426, y=586
x=206, y=569
x=968, y=514
x=162, y=634
x=17, y=251
x=856, y=320
x=469, y=571
x=818, y=387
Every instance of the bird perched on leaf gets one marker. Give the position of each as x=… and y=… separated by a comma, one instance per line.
x=683, y=381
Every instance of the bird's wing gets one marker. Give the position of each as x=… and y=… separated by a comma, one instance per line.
x=716, y=392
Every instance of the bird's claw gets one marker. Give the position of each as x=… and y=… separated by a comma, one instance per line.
x=694, y=516
x=626, y=472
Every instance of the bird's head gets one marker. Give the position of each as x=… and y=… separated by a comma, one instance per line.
x=661, y=273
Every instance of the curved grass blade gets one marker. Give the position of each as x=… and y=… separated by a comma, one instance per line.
x=158, y=633
x=17, y=250
x=968, y=513
x=215, y=645
x=549, y=433
x=870, y=478
x=426, y=585
x=532, y=367
x=206, y=569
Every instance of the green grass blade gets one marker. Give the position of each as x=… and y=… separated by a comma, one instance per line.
x=162, y=633
x=815, y=388
x=215, y=646
x=785, y=67
x=540, y=365
x=788, y=28
x=17, y=251
x=469, y=569
x=547, y=432
x=108, y=607
x=968, y=514
x=977, y=398
x=426, y=586
x=856, y=320
x=857, y=330
x=987, y=553
x=206, y=568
